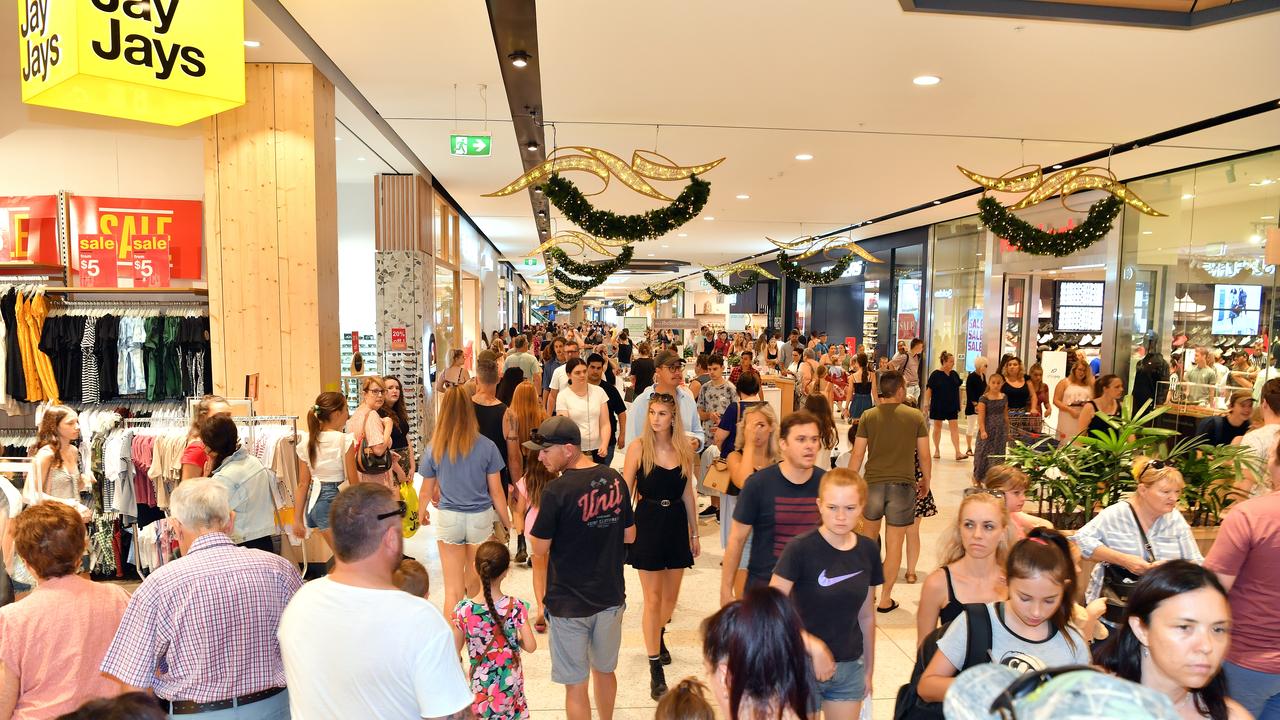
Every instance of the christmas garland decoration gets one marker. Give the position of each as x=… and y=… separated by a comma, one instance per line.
x=580, y=285
x=567, y=298
x=604, y=224
x=599, y=272
x=724, y=289
x=793, y=270
x=1034, y=241
x=654, y=294
x=565, y=308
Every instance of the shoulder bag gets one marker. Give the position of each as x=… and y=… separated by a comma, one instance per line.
x=367, y=461
x=1118, y=582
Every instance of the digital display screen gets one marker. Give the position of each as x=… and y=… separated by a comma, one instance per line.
x=1237, y=309
x=1079, y=306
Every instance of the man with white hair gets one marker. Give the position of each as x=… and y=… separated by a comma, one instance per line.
x=201, y=630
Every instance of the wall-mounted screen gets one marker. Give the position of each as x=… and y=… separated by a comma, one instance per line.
x=1237, y=309
x=1078, y=306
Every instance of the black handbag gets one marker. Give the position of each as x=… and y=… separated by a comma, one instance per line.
x=1118, y=582
x=370, y=463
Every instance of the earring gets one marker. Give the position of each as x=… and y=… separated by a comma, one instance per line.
x=1146, y=652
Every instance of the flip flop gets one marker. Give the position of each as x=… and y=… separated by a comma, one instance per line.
x=889, y=609
x=911, y=578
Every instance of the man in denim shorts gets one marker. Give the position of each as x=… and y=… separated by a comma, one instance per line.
x=885, y=435
x=583, y=525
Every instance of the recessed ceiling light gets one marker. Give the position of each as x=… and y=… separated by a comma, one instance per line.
x=1188, y=196
x=709, y=217
x=537, y=189
x=937, y=202
x=519, y=58
x=360, y=159
x=804, y=156
x=666, y=246
x=1057, y=167
x=927, y=80
x=683, y=235
x=650, y=254
x=252, y=43
x=531, y=146
x=1268, y=217
x=1255, y=239
x=1262, y=182
x=337, y=139
x=743, y=196
x=1146, y=232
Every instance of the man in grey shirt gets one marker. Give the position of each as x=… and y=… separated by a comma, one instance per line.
x=1202, y=378
x=522, y=359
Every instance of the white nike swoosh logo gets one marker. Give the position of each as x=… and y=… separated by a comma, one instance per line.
x=825, y=581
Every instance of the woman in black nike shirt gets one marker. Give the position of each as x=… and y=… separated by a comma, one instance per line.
x=827, y=572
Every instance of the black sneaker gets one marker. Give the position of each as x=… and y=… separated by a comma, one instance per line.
x=522, y=557
x=664, y=654
x=657, y=679
x=711, y=511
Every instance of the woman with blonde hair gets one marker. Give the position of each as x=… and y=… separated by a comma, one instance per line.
x=195, y=461
x=529, y=415
x=1070, y=396
x=453, y=375
x=371, y=432
x=465, y=469
x=755, y=447
x=660, y=473
x=970, y=562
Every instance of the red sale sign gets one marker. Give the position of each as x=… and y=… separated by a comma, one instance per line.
x=129, y=219
x=151, y=261
x=399, y=338
x=96, y=261
x=29, y=230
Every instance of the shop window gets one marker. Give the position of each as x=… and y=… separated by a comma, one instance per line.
x=955, y=305
x=908, y=280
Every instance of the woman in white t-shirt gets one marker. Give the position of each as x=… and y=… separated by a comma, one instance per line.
x=587, y=406
x=326, y=459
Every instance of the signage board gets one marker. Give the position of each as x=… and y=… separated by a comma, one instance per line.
x=399, y=338
x=972, y=338
x=471, y=145
x=127, y=219
x=151, y=261
x=636, y=325
x=29, y=229
x=908, y=326
x=96, y=265
x=737, y=322
x=677, y=324
x=166, y=62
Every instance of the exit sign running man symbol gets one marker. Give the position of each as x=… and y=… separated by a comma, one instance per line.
x=470, y=145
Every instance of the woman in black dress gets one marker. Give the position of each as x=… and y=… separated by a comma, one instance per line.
x=394, y=407
x=942, y=402
x=1016, y=388
x=660, y=474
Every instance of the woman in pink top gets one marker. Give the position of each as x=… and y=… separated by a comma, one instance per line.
x=371, y=429
x=1012, y=483
x=52, y=642
x=195, y=461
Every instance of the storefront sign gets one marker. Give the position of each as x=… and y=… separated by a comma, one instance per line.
x=29, y=230
x=159, y=61
x=972, y=338
x=399, y=338
x=151, y=261
x=908, y=326
x=126, y=219
x=96, y=265
x=470, y=145
x=737, y=322
x=677, y=324
x=636, y=325
x=1054, y=364
x=851, y=344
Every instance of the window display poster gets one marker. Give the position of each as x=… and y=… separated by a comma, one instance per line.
x=29, y=229
x=908, y=326
x=972, y=338
x=737, y=322
x=1054, y=363
x=1236, y=309
x=128, y=219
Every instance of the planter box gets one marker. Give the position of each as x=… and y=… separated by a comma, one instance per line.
x=1204, y=537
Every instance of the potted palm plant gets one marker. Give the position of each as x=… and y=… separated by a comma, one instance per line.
x=1210, y=472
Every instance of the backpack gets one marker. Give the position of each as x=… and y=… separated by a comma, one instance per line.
x=909, y=705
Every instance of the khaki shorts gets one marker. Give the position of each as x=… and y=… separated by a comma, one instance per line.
x=893, y=501
x=459, y=528
x=580, y=645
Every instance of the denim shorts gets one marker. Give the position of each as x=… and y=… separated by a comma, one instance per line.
x=848, y=684
x=893, y=501
x=580, y=645
x=318, y=515
x=459, y=528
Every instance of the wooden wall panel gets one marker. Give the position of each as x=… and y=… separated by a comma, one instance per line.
x=402, y=212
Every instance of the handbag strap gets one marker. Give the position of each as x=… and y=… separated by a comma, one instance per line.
x=1146, y=544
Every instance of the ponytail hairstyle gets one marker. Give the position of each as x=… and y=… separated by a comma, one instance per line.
x=492, y=560
x=327, y=404
x=1045, y=551
x=758, y=641
x=686, y=701
x=200, y=412
x=47, y=434
x=1122, y=653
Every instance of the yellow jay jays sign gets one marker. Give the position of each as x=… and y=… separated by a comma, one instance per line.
x=161, y=61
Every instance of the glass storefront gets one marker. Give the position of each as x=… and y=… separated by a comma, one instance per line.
x=955, y=306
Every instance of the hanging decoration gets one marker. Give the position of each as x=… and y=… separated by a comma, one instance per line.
x=573, y=283
x=654, y=293
x=811, y=245
x=632, y=228
x=1065, y=183
x=724, y=289
x=741, y=268
x=598, y=272
x=565, y=308
x=623, y=308
x=1057, y=243
x=604, y=164
x=567, y=298
x=571, y=239
x=791, y=267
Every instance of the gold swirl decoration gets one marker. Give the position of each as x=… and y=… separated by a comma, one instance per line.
x=741, y=268
x=809, y=246
x=1038, y=188
x=604, y=164
x=579, y=240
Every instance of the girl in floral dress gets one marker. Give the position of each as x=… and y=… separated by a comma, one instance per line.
x=496, y=675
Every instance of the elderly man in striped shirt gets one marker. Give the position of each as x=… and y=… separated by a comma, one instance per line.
x=201, y=631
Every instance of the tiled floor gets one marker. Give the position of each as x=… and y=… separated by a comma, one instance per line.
x=699, y=597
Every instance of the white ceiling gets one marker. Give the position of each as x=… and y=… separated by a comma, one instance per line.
x=769, y=80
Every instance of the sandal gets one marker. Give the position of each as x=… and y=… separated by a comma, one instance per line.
x=911, y=578
x=889, y=609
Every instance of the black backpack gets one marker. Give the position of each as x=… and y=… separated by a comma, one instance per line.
x=908, y=705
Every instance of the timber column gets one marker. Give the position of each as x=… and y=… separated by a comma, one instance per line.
x=272, y=229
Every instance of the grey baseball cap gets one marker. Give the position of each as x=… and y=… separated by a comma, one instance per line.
x=666, y=357
x=1073, y=695
x=558, y=430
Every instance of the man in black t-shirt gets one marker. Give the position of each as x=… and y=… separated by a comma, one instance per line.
x=584, y=523
x=777, y=503
x=617, y=408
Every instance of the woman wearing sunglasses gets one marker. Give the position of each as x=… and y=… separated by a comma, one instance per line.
x=1175, y=634
x=971, y=562
x=1137, y=533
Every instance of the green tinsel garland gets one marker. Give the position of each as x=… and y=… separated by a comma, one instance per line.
x=566, y=308
x=580, y=285
x=1034, y=241
x=651, y=297
x=793, y=270
x=603, y=224
x=567, y=298
x=723, y=289
x=596, y=271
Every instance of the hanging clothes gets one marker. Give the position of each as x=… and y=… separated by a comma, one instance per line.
x=38, y=311
x=90, y=391
x=107, y=351
x=14, y=377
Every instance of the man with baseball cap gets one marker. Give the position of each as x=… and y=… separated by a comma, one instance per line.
x=666, y=381
x=584, y=523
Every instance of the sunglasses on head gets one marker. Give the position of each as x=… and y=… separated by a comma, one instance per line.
x=1155, y=465
x=667, y=398
x=402, y=509
x=983, y=491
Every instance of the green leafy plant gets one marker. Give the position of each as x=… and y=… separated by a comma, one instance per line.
x=725, y=289
x=1210, y=472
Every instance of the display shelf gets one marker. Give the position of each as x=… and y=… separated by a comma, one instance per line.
x=14, y=268
x=126, y=291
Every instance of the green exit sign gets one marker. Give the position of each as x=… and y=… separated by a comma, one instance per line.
x=470, y=145
x=531, y=261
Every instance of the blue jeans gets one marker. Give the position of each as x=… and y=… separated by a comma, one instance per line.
x=1258, y=692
